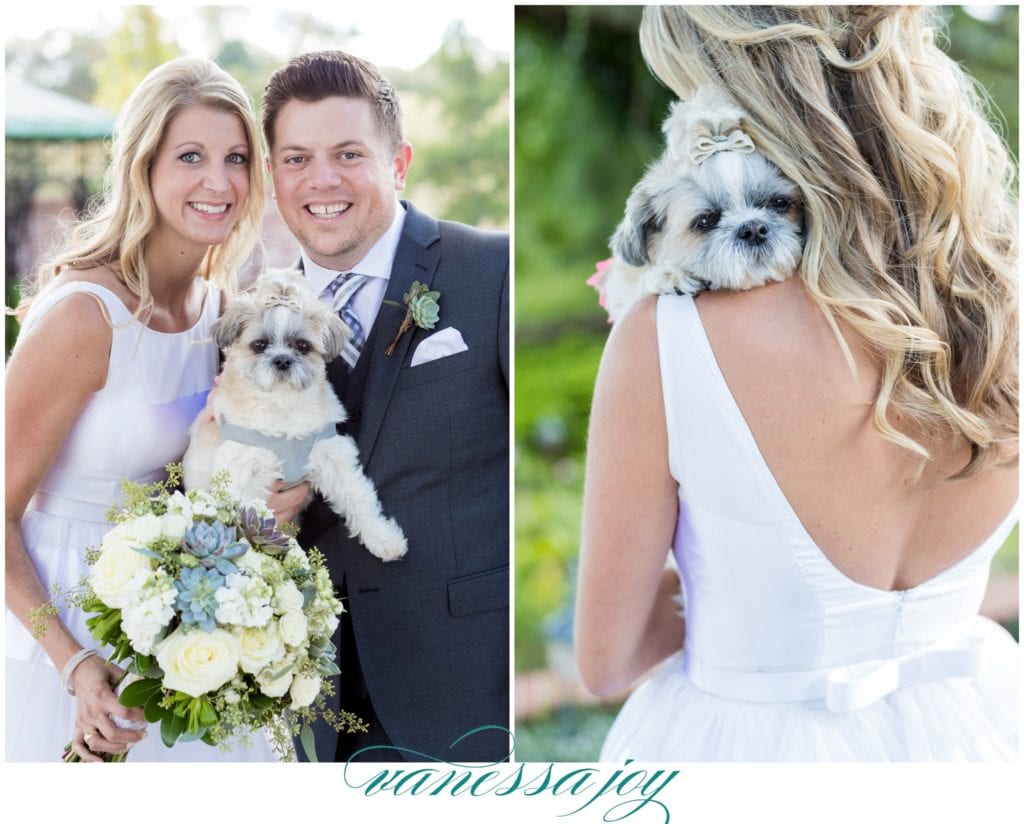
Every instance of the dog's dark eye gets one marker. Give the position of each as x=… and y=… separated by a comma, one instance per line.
x=303, y=347
x=780, y=203
x=259, y=346
x=706, y=221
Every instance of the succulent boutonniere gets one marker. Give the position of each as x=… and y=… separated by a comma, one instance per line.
x=421, y=311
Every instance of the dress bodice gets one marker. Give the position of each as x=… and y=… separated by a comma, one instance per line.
x=138, y=421
x=768, y=616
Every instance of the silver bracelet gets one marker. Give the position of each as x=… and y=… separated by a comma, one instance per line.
x=71, y=665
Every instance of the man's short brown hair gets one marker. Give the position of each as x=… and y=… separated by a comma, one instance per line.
x=318, y=75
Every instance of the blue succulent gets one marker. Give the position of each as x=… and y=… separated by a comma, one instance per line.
x=197, y=596
x=214, y=545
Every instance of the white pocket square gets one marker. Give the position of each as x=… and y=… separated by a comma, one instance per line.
x=441, y=344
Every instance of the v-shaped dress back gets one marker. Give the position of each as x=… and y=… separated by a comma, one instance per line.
x=785, y=657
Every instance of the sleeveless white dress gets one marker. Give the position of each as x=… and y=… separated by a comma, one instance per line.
x=786, y=658
x=131, y=428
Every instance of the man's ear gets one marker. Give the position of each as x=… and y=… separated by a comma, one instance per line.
x=402, y=161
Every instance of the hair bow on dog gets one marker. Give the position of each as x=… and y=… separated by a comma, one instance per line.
x=705, y=146
x=286, y=300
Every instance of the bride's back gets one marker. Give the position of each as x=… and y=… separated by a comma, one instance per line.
x=859, y=496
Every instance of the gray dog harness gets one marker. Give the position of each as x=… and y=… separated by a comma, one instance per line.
x=293, y=452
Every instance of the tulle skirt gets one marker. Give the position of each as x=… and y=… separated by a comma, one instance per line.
x=40, y=715
x=667, y=718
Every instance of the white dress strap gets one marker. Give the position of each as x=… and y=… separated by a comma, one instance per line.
x=116, y=311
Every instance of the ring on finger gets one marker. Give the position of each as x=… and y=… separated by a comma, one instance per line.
x=88, y=737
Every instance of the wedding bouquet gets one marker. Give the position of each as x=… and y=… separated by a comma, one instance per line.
x=224, y=620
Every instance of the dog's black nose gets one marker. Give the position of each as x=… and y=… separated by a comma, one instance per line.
x=282, y=363
x=754, y=232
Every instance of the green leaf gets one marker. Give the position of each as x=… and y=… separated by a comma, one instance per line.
x=197, y=735
x=152, y=709
x=138, y=693
x=308, y=743
x=207, y=714
x=171, y=728
x=148, y=553
x=261, y=702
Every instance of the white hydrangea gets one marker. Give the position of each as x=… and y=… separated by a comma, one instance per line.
x=178, y=504
x=244, y=601
x=203, y=503
x=149, y=612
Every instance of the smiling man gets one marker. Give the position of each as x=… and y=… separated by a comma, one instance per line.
x=423, y=648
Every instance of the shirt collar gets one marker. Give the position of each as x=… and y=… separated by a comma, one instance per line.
x=376, y=263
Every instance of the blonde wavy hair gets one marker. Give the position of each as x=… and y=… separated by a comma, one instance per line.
x=115, y=232
x=911, y=237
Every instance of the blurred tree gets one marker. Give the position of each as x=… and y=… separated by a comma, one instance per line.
x=60, y=60
x=139, y=44
x=468, y=165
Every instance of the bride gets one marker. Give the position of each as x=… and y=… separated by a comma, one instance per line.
x=113, y=362
x=831, y=458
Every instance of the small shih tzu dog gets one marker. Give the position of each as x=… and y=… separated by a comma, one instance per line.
x=710, y=213
x=274, y=413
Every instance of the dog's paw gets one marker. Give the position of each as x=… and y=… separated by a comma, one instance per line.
x=388, y=543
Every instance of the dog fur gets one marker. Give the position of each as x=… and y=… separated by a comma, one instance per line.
x=277, y=341
x=727, y=220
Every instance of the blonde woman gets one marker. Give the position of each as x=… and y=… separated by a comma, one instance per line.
x=113, y=362
x=831, y=458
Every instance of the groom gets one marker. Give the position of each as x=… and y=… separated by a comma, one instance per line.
x=423, y=646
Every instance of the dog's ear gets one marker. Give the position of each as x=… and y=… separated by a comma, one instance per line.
x=226, y=329
x=632, y=237
x=335, y=333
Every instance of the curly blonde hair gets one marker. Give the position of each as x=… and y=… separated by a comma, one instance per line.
x=115, y=232
x=911, y=237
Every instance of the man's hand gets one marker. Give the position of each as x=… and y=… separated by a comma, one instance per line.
x=288, y=502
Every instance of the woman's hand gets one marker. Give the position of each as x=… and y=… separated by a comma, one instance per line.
x=287, y=502
x=93, y=682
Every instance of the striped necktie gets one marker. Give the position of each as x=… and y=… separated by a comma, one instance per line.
x=340, y=292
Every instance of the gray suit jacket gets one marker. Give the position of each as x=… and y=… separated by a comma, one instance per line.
x=432, y=628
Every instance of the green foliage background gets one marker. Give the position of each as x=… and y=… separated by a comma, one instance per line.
x=588, y=117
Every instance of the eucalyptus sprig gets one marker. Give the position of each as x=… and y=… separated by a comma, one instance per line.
x=422, y=311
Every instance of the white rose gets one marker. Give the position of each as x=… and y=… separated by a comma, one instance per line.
x=198, y=662
x=258, y=646
x=304, y=689
x=114, y=576
x=117, y=535
x=296, y=557
x=251, y=560
x=276, y=687
x=173, y=525
x=294, y=627
x=145, y=528
x=287, y=597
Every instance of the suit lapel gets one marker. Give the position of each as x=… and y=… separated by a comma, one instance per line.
x=414, y=260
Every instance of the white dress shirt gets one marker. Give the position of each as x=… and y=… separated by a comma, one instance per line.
x=376, y=265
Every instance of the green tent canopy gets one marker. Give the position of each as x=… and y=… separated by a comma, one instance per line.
x=32, y=113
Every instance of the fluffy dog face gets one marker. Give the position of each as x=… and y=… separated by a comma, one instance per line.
x=712, y=207
x=280, y=335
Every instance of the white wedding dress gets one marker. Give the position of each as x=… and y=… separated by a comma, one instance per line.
x=786, y=658
x=131, y=428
